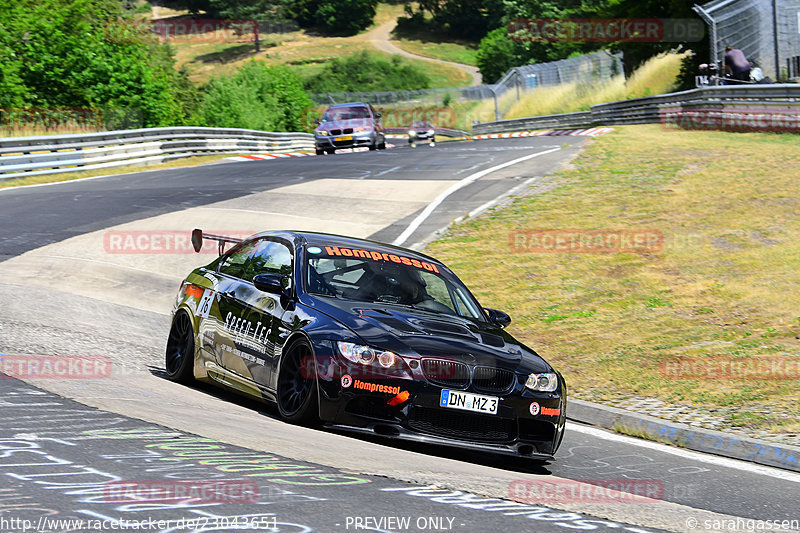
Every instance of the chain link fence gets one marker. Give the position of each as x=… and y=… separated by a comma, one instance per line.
x=588, y=68
x=423, y=97
x=765, y=30
x=597, y=66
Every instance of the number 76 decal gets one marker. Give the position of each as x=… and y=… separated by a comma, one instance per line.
x=204, y=307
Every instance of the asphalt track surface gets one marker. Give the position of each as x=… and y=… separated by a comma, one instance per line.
x=54, y=317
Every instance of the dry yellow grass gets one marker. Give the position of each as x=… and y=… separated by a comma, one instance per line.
x=656, y=76
x=722, y=287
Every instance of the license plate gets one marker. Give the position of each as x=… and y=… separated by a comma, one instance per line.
x=469, y=402
x=346, y=138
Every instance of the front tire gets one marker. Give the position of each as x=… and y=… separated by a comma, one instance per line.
x=179, y=359
x=297, y=391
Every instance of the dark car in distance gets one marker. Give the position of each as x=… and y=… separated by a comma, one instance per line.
x=366, y=337
x=349, y=125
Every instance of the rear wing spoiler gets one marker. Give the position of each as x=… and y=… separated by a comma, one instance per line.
x=198, y=236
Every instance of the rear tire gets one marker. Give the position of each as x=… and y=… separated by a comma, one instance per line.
x=330, y=151
x=320, y=152
x=382, y=146
x=179, y=359
x=297, y=393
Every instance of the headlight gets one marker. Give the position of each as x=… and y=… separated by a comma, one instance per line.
x=412, y=133
x=322, y=132
x=386, y=359
x=365, y=355
x=542, y=382
x=430, y=132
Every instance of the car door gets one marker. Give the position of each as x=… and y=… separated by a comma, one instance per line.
x=230, y=270
x=251, y=318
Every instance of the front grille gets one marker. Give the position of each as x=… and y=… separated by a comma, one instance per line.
x=491, y=379
x=347, y=130
x=446, y=373
x=336, y=132
x=461, y=425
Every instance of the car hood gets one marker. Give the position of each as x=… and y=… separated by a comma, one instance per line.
x=405, y=330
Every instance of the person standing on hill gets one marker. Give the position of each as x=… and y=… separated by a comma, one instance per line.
x=736, y=64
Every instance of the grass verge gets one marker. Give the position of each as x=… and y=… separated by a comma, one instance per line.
x=457, y=52
x=719, y=290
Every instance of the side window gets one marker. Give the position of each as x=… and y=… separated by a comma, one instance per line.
x=233, y=264
x=465, y=307
x=268, y=257
x=437, y=289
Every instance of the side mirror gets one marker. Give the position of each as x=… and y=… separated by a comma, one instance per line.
x=378, y=115
x=317, y=122
x=498, y=317
x=273, y=283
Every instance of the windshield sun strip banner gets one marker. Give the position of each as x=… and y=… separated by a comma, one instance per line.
x=337, y=251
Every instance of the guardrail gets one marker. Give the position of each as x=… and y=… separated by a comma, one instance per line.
x=49, y=154
x=651, y=109
x=444, y=132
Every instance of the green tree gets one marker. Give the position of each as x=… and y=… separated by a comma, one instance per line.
x=335, y=17
x=86, y=53
x=495, y=55
x=462, y=19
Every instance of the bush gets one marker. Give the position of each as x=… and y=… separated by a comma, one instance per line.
x=256, y=97
x=366, y=72
x=495, y=55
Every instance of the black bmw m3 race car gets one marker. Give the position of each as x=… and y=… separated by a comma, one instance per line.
x=366, y=337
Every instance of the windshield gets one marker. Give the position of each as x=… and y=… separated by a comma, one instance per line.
x=336, y=114
x=371, y=276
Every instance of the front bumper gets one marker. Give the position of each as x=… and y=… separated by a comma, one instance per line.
x=422, y=136
x=514, y=430
x=356, y=140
